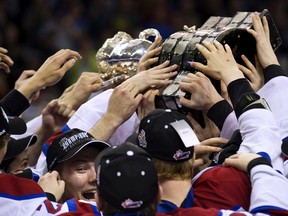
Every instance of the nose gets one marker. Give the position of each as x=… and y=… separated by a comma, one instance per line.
x=92, y=176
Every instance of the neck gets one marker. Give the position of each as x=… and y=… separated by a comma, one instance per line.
x=175, y=191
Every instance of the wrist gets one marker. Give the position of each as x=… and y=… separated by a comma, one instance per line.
x=257, y=161
x=112, y=120
x=233, y=75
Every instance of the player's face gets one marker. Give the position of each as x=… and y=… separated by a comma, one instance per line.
x=19, y=163
x=79, y=175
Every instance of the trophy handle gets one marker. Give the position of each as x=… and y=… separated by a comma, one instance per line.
x=149, y=32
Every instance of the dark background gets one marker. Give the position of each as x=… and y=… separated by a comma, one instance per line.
x=32, y=30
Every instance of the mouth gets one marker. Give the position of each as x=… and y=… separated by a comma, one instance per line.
x=89, y=195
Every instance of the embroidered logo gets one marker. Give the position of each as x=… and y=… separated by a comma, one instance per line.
x=131, y=204
x=66, y=142
x=180, y=155
x=142, y=139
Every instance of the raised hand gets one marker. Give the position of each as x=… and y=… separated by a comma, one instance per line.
x=147, y=103
x=52, y=183
x=203, y=93
x=240, y=161
x=79, y=92
x=261, y=34
x=51, y=71
x=221, y=64
x=254, y=74
x=23, y=78
x=5, y=61
x=155, y=76
x=149, y=58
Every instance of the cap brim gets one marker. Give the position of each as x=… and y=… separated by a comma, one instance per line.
x=98, y=144
x=16, y=125
x=17, y=146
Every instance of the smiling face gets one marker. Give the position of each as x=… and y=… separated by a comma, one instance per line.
x=79, y=175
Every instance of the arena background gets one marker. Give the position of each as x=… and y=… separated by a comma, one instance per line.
x=32, y=30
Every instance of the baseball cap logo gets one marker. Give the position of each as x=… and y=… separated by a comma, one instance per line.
x=66, y=142
x=142, y=139
x=131, y=204
x=180, y=155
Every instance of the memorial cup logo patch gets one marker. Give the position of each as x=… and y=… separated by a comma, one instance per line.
x=131, y=204
x=180, y=155
x=142, y=139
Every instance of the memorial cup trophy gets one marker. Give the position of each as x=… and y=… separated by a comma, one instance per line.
x=179, y=48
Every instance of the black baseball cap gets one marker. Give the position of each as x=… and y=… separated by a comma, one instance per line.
x=126, y=177
x=68, y=144
x=11, y=124
x=161, y=140
x=17, y=146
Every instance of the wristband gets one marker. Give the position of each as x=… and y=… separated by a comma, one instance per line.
x=257, y=161
x=50, y=197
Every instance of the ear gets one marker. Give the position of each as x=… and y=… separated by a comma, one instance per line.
x=160, y=193
x=98, y=202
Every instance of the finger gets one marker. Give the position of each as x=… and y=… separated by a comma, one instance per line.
x=209, y=46
x=200, y=74
x=187, y=103
x=266, y=27
x=69, y=54
x=67, y=111
x=203, y=50
x=151, y=53
x=7, y=59
x=150, y=62
x=206, y=149
x=166, y=69
x=228, y=49
x=49, y=107
x=198, y=162
x=5, y=67
x=199, y=66
x=218, y=45
x=67, y=65
x=214, y=141
x=3, y=50
x=155, y=43
x=26, y=74
x=163, y=65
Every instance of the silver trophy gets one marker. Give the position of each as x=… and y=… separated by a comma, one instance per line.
x=118, y=58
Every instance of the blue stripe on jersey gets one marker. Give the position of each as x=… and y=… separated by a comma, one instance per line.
x=265, y=155
x=65, y=128
x=24, y=197
x=45, y=148
x=71, y=205
x=264, y=209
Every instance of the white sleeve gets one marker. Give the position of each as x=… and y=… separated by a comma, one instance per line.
x=90, y=112
x=261, y=134
x=229, y=126
x=275, y=93
x=269, y=189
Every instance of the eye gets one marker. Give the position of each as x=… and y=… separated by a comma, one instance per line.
x=81, y=169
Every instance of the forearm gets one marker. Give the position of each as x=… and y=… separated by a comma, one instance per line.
x=35, y=150
x=266, y=182
x=272, y=71
x=105, y=127
x=219, y=112
x=30, y=87
x=14, y=103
